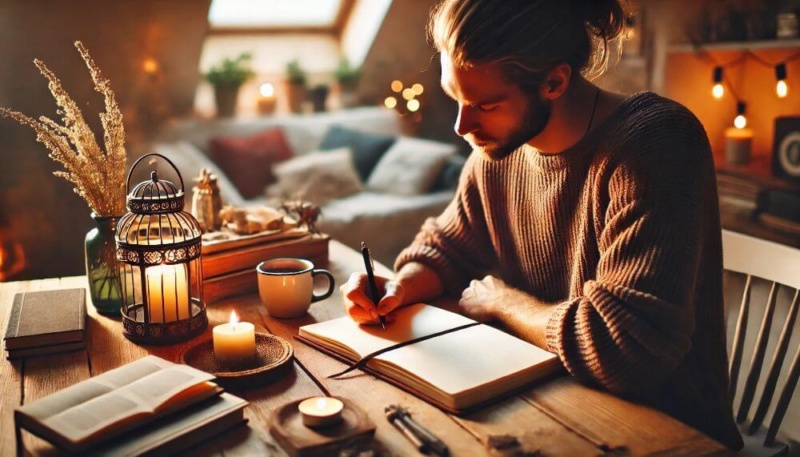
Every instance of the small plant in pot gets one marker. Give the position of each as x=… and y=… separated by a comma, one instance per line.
x=295, y=85
x=227, y=77
x=346, y=83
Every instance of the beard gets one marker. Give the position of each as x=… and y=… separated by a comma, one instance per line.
x=534, y=120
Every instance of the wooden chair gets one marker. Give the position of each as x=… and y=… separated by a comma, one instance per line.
x=779, y=265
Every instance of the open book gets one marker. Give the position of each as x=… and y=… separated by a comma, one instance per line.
x=455, y=371
x=105, y=406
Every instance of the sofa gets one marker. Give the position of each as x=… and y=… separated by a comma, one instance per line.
x=372, y=183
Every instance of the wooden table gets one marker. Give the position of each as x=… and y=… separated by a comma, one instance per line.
x=559, y=417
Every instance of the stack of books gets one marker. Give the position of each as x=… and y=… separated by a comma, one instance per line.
x=46, y=322
x=148, y=406
x=737, y=192
x=229, y=264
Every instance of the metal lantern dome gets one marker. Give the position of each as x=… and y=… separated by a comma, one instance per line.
x=158, y=248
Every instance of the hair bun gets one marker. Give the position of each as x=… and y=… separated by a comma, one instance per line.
x=605, y=17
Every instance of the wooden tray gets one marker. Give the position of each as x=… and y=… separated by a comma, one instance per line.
x=273, y=361
x=356, y=430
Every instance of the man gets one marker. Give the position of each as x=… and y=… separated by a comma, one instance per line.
x=591, y=218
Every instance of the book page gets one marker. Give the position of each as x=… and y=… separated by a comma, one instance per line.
x=411, y=322
x=94, y=387
x=121, y=396
x=469, y=365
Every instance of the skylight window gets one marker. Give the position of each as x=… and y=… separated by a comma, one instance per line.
x=273, y=13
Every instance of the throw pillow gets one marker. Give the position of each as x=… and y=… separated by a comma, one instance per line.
x=410, y=166
x=451, y=172
x=367, y=148
x=248, y=160
x=318, y=177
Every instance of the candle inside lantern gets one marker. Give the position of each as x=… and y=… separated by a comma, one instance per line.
x=167, y=293
x=321, y=411
x=266, y=98
x=234, y=341
x=737, y=145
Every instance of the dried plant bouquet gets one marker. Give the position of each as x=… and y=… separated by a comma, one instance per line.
x=99, y=176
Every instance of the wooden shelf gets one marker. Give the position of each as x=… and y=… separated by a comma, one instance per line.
x=736, y=45
x=743, y=218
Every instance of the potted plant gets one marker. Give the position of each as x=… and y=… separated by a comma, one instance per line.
x=295, y=85
x=346, y=83
x=227, y=77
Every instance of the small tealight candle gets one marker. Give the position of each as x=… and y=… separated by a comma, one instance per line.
x=321, y=411
x=234, y=341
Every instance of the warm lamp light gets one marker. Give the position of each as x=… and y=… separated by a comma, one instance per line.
x=408, y=93
x=267, y=90
x=390, y=102
x=150, y=66
x=418, y=89
x=740, y=121
x=781, y=88
x=266, y=98
x=719, y=89
x=397, y=86
x=413, y=105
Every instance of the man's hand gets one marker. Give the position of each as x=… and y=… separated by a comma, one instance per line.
x=491, y=299
x=484, y=300
x=363, y=310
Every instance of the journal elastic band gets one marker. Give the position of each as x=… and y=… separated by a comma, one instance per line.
x=361, y=363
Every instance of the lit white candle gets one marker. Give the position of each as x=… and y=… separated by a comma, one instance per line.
x=738, y=142
x=234, y=341
x=321, y=411
x=167, y=293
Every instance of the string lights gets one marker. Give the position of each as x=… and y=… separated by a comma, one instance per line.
x=718, y=88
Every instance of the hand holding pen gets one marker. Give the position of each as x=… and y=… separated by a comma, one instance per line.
x=374, y=295
x=357, y=297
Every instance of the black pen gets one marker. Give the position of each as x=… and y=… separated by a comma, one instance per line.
x=373, y=287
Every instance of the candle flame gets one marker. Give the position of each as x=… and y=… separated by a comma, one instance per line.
x=234, y=318
x=321, y=403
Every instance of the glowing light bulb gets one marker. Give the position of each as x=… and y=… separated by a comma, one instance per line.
x=740, y=121
x=418, y=89
x=150, y=66
x=390, y=102
x=782, y=89
x=718, y=90
x=408, y=93
x=267, y=90
x=397, y=85
x=413, y=105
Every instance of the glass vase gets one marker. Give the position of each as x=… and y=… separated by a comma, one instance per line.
x=102, y=271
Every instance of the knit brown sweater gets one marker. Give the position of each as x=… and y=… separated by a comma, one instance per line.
x=621, y=232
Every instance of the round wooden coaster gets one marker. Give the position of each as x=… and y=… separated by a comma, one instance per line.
x=273, y=361
x=353, y=432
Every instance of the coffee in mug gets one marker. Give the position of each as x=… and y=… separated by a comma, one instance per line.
x=286, y=286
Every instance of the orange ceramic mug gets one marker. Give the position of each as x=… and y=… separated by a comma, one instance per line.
x=286, y=286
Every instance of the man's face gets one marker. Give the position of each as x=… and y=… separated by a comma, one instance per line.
x=495, y=117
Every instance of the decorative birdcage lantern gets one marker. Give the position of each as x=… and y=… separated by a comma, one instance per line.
x=158, y=248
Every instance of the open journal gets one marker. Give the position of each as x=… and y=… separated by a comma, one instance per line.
x=103, y=407
x=455, y=370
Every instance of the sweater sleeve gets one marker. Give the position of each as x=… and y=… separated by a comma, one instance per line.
x=455, y=244
x=634, y=321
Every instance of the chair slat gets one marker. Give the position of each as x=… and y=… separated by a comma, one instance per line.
x=738, y=338
x=758, y=356
x=775, y=366
x=785, y=398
